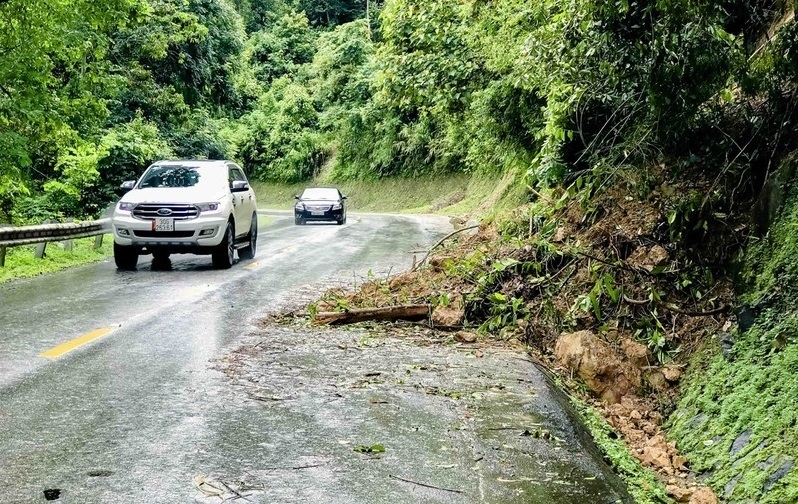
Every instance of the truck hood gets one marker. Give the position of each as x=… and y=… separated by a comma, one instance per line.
x=187, y=195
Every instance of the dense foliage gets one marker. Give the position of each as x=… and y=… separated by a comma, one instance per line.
x=553, y=89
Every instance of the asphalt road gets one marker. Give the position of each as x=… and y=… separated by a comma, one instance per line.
x=161, y=386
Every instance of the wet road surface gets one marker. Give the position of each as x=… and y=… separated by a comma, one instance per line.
x=159, y=386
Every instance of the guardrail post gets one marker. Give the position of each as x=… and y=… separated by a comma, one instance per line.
x=3, y=250
x=69, y=244
x=98, y=241
x=42, y=247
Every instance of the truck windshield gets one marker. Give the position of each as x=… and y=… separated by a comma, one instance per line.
x=176, y=176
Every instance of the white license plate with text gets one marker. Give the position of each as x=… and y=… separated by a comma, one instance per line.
x=161, y=224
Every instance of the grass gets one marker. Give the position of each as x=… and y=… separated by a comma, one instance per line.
x=21, y=263
x=450, y=195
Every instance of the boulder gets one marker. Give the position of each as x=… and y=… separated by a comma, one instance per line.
x=703, y=495
x=596, y=364
x=680, y=494
x=447, y=316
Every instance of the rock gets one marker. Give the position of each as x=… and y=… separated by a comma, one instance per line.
x=447, y=316
x=728, y=488
x=740, y=443
x=465, y=337
x=458, y=222
x=679, y=462
x=671, y=373
x=703, y=495
x=648, y=258
x=635, y=415
x=679, y=494
x=596, y=364
x=637, y=353
x=657, y=381
x=559, y=235
x=655, y=457
x=774, y=478
x=726, y=344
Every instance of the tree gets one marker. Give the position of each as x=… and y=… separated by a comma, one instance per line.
x=52, y=73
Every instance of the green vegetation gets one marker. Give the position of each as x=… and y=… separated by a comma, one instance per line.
x=455, y=194
x=683, y=105
x=21, y=263
x=749, y=397
x=550, y=90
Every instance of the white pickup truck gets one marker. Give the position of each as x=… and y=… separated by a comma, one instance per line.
x=186, y=207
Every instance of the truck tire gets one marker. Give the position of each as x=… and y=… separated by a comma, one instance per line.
x=248, y=252
x=126, y=257
x=223, y=254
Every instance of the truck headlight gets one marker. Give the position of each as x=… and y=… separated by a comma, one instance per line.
x=125, y=206
x=208, y=207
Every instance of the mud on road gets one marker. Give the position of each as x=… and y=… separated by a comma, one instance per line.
x=365, y=416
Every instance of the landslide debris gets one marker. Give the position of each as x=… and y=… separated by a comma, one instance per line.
x=612, y=290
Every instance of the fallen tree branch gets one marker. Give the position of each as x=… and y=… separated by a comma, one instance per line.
x=424, y=484
x=440, y=242
x=675, y=309
x=638, y=302
x=404, y=312
x=708, y=313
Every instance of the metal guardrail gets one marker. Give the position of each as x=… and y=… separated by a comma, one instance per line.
x=50, y=232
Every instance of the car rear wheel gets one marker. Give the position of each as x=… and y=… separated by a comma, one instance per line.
x=125, y=257
x=224, y=253
x=248, y=252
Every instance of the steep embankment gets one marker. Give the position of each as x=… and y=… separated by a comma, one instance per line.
x=737, y=420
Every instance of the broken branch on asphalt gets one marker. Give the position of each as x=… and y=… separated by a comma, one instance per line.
x=424, y=484
x=391, y=313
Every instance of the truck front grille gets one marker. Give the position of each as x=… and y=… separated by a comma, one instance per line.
x=149, y=211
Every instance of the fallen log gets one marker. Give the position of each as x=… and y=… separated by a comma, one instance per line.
x=403, y=312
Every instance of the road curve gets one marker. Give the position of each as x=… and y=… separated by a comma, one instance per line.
x=160, y=386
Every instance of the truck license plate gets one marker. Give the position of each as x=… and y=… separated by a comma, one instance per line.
x=161, y=224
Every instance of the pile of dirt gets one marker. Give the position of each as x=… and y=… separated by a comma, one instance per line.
x=612, y=290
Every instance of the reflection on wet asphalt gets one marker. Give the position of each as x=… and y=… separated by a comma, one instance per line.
x=145, y=413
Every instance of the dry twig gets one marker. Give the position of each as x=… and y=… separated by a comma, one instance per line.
x=440, y=242
x=424, y=484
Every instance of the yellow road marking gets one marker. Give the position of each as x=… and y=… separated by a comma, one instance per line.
x=75, y=343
